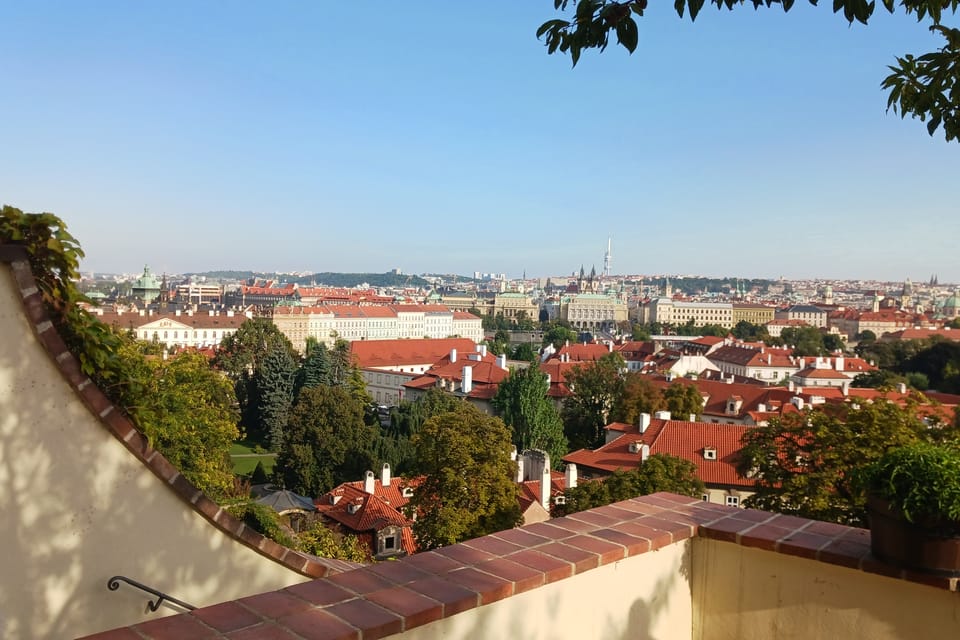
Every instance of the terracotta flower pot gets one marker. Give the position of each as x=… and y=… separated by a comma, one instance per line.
x=930, y=545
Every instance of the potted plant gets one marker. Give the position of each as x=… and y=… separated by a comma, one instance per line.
x=913, y=505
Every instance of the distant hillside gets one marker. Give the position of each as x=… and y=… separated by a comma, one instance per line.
x=325, y=278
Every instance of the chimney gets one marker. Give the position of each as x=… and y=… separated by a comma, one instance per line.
x=845, y=389
x=369, y=483
x=453, y=355
x=483, y=351
x=662, y=415
x=693, y=417
x=644, y=422
x=838, y=363
x=570, y=475
x=644, y=452
x=902, y=388
x=466, y=386
x=545, y=487
x=520, y=469
x=502, y=362
x=177, y=313
x=790, y=385
x=610, y=347
x=385, y=474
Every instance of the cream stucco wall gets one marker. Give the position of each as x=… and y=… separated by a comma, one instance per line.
x=77, y=508
x=742, y=593
x=645, y=596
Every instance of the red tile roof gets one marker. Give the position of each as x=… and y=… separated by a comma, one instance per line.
x=686, y=440
x=386, y=353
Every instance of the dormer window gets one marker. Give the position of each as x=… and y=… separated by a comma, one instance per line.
x=407, y=492
x=709, y=453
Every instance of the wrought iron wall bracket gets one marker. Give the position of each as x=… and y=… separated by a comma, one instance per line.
x=114, y=583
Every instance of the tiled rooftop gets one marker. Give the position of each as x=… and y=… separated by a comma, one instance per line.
x=394, y=597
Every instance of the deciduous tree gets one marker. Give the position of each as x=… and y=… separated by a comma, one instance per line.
x=523, y=404
x=468, y=488
x=594, y=387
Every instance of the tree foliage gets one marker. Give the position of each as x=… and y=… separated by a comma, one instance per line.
x=522, y=403
x=322, y=541
x=325, y=442
x=594, y=390
x=660, y=472
x=926, y=86
x=804, y=463
x=467, y=489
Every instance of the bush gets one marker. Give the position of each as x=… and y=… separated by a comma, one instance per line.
x=922, y=480
x=261, y=518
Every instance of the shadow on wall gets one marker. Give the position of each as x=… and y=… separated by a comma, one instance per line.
x=78, y=508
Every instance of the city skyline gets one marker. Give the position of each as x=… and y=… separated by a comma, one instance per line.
x=436, y=139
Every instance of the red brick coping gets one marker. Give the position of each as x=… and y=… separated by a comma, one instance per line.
x=120, y=426
x=391, y=597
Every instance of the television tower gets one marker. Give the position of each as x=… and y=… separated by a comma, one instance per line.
x=607, y=257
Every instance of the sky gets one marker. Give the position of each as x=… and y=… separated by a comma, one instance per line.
x=438, y=136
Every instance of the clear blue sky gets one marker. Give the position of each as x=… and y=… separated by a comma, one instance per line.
x=439, y=136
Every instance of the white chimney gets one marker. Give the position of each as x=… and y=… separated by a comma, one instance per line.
x=838, y=363
x=467, y=385
x=370, y=483
x=570, y=475
x=177, y=313
x=453, y=355
x=644, y=452
x=644, y=422
x=385, y=474
x=545, y=487
x=520, y=469
x=609, y=347
x=483, y=351
x=693, y=417
x=502, y=362
x=662, y=415
x=902, y=387
x=790, y=385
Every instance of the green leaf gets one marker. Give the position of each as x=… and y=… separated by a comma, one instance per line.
x=628, y=34
x=695, y=6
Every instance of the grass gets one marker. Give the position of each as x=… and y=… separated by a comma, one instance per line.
x=245, y=458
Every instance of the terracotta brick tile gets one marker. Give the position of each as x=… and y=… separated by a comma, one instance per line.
x=657, y=538
x=615, y=512
x=802, y=544
x=318, y=624
x=752, y=515
x=829, y=529
x=264, y=631
x=637, y=506
x=399, y=572
x=633, y=545
x=673, y=498
x=856, y=535
x=179, y=627
x=493, y=545
x=227, y=616
x=414, y=608
x=844, y=553
x=115, y=634
x=489, y=588
x=274, y=604
x=790, y=522
x=94, y=399
x=593, y=518
x=360, y=581
x=573, y=525
x=581, y=559
x=267, y=545
x=373, y=621
x=312, y=568
x=523, y=577
x=764, y=536
x=552, y=568
x=522, y=537
x=663, y=521
x=251, y=537
x=608, y=551
x=319, y=592
x=728, y=529
x=70, y=368
x=432, y=562
x=52, y=342
x=119, y=424
x=453, y=597
x=466, y=556
x=548, y=531
x=34, y=310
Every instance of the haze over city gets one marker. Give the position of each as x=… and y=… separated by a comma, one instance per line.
x=441, y=137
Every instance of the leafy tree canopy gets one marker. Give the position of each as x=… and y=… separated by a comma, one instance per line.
x=925, y=86
x=468, y=489
x=523, y=404
x=595, y=388
x=804, y=463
